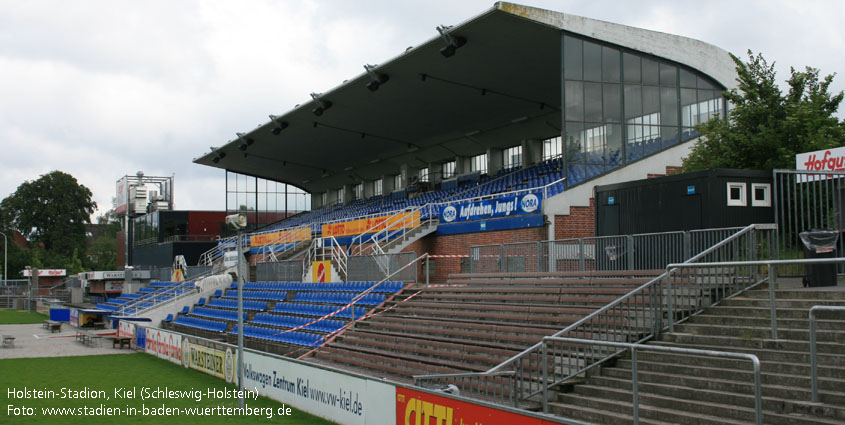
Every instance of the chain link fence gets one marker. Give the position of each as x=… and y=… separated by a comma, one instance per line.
x=378, y=267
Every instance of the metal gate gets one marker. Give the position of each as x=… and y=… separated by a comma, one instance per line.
x=807, y=200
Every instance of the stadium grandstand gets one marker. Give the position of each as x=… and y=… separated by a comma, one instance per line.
x=449, y=265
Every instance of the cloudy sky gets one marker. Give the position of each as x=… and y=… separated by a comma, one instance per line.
x=101, y=89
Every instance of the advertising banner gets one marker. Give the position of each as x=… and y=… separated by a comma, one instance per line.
x=281, y=237
x=372, y=224
x=219, y=363
x=338, y=397
x=74, y=317
x=126, y=328
x=822, y=160
x=528, y=203
x=415, y=408
x=164, y=344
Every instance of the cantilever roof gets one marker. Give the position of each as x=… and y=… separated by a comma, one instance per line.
x=502, y=86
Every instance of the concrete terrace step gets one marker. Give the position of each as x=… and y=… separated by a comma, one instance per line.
x=804, y=324
x=601, y=415
x=520, y=298
x=487, y=334
x=390, y=356
x=768, y=375
x=768, y=354
x=377, y=365
x=668, y=407
x=467, y=312
x=465, y=352
x=744, y=331
x=831, y=293
x=660, y=359
x=800, y=303
x=766, y=344
x=757, y=312
x=603, y=409
x=724, y=389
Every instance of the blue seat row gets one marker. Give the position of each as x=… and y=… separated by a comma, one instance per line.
x=318, y=310
x=131, y=296
x=228, y=303
x=295, y=337
x=109, y=307
x=325, y=325
x=209, y=325
x=217, y=314
x=259, y=295
x=339, y=298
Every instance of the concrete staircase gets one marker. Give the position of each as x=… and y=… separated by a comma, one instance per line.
x=474, y=322
x=686, y=389
x=399, y=243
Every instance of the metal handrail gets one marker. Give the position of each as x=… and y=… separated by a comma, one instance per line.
x=814, y=375
x=758, y=399
x=176, y=292
x=646, y=291
x=771, y=279
x=388, y=227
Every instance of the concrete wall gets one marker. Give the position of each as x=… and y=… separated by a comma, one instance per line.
x=580, y=195
x=696, y=54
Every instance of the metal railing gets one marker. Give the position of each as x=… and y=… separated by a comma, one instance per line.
x=207, y=258
x=397, y=224
x=157, y=299
x=582, y=346
x=720, y=277
x=623, y=252
x=635, y=317
x=814, y=373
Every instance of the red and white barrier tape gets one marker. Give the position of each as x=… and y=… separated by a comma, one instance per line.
x=448, y=256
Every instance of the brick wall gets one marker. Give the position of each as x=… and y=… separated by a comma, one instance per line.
x=459, y=244
x=580, y=223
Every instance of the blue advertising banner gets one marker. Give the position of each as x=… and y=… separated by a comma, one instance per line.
x=507, y=206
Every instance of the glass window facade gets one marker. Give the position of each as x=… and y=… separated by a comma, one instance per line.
x=512, y=157
x=377, y=187
x=621, y=105
x=358, y=191
x=448, y=170
x=424, y=174
x=264, y=199
x=397, y=182
x=479, y=163
x=552, y=148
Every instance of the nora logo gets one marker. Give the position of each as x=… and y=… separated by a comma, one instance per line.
x=530, y=203
x=449, y=214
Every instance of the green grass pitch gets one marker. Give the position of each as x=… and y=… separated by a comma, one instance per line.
x=19, y=317
x=110, y=372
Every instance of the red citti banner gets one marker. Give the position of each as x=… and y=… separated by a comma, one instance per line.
x=418, y=408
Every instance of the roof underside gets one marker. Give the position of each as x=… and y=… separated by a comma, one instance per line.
x=508, y=70
x=502, y=86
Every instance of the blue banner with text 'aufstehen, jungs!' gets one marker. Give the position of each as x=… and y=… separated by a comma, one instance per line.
x=528, y=203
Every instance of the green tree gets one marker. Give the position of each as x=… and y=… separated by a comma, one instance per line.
x=765, y=128
x=51, y=213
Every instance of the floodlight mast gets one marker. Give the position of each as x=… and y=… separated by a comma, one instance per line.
x=238, y=222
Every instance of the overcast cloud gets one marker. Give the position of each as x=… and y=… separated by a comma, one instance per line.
x=101, y=89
